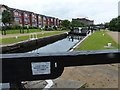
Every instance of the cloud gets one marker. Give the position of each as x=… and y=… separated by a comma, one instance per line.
x=98, y=10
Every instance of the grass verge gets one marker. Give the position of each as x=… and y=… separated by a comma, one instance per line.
x=18, y=31
x=97, y=41
x=22, y=38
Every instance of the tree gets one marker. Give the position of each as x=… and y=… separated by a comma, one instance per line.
x=115, y=24
x=7, y=17
x=77, y=24
x=65, y=23
x=106, y=25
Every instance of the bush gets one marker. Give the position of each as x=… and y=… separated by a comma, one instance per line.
x=49, y=29
x=60, y=26
x=30, y=27
x=46, y=26
x=15, y=26
x=54, y=27
x=59, y=29
x=24, y=27
x=3, y=28
x=11, y=27
x=35, y=27
x=64, y=28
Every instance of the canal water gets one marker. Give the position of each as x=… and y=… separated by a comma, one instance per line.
x=59, y=46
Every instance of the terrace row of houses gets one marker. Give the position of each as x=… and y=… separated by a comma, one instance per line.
x=27, y=18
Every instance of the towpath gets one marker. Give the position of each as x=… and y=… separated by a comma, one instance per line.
x=14, y=35
x=115, y=36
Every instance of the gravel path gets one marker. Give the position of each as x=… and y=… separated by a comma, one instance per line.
x=14, y=35
x=115, y=36
x=98, y=76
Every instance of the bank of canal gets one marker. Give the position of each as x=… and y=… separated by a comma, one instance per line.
x=28, y=45
x=98, y=41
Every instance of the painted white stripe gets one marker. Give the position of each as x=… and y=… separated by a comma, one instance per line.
x=49, y=85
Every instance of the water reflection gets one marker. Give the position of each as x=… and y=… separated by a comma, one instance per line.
x=60, y=46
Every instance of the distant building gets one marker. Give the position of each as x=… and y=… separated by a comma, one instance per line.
x=119, y=8
x=84, y=20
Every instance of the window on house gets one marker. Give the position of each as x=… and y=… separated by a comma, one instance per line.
x=33, y=15
x=39, y=17
x=44, y=22
x=52, y=20
x=16, y=13
x=26, y=15
x=33, y=20
x=20, y=21
x=26, y=20
x=17, y=20
x=44, y=18
x=39, y=21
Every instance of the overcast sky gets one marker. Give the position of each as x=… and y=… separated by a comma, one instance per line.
x=98, y=10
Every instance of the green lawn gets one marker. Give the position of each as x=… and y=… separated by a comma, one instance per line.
x=18, y=31
x=22, y=38
x=97, y=42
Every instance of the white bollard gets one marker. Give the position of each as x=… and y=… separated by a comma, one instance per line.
x=109, y=44
x=16, y=37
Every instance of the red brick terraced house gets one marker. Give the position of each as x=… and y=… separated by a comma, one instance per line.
x=17, y=16
x=49, y=21
x=21, y=17
x=27, y=18
x=34, y=20
x=52, y=22
x=39, y=21
x=44, y=21
x=57, y=22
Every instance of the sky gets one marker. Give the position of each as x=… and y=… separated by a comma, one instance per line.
x=100, y=11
